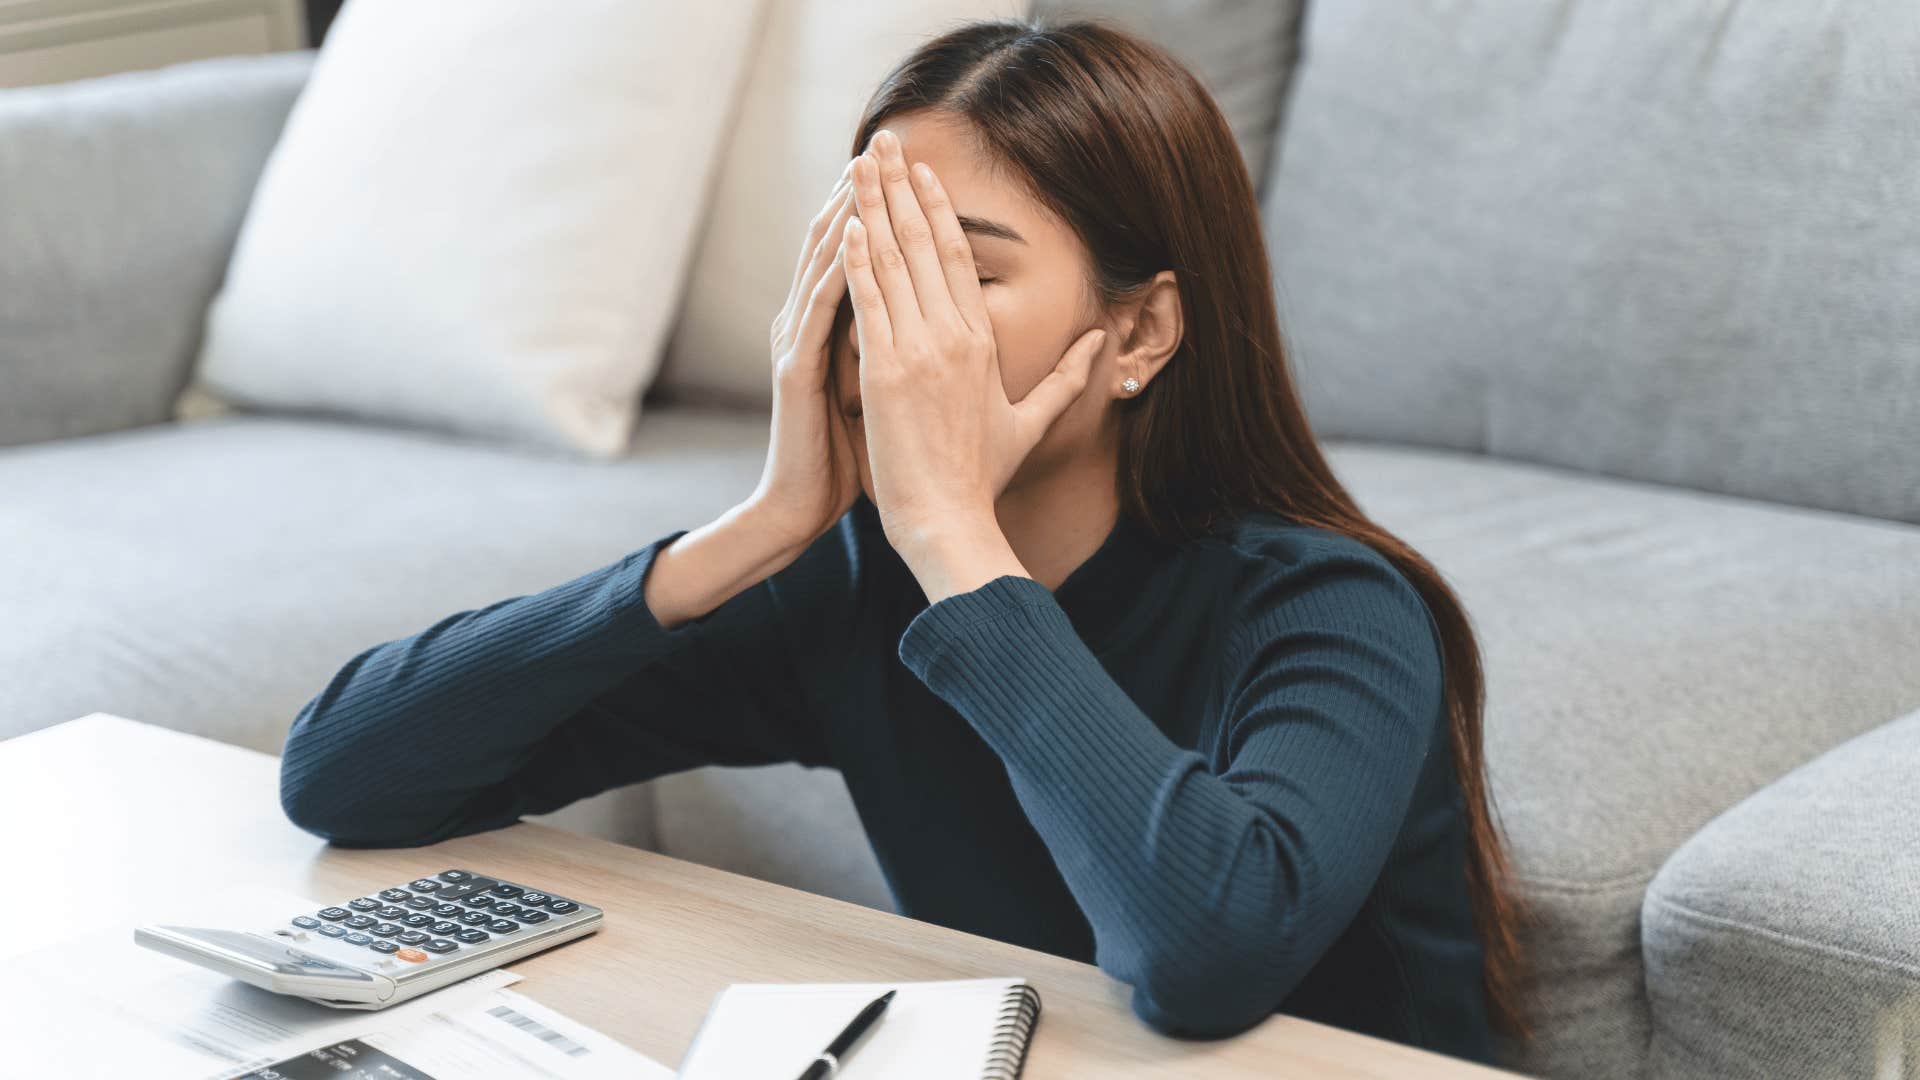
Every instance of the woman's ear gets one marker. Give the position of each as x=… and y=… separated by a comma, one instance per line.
x=1153, y=337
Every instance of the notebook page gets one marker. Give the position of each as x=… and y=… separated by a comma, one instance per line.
x=932, y=1030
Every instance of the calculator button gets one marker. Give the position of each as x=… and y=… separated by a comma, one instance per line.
x=458, y=892
x=532, y=916
x=453, y=875
x=384, y=946
x=410, y=937
x=476, y=918
x=562, y=907
x=502, y=926
x=358, y=939
x=392, y=911
x=478, y=900
x=420, y=903
x=447, y=911
x=444, y=928
x=334, y=914
x=508, y=891
x=306, y=922
x=417, y=919
x=394, y=896
x=332, y=931
x=358, y=922
x=473, y=937
x=534, y=898
x=412, y=956
x=440, y=945
x=424, y=885
x=385, y=929
x=504, y=908
x=365, y=903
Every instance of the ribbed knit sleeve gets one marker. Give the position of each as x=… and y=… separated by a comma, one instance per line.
x=535, y=701
x=1213, y=881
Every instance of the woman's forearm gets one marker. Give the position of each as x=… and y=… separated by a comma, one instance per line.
x=447, y=730
x=709, y=565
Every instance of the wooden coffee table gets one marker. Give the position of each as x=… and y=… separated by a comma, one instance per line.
x=102, y=811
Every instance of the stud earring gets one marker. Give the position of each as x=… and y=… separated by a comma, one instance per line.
x=1130, y=385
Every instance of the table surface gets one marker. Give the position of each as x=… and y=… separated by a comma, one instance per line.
x=102, y=810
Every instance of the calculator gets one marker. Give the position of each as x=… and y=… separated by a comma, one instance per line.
x=382, y=949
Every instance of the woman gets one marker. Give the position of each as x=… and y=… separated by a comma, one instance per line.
x=1046, y=561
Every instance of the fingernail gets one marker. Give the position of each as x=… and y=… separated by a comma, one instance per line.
x=883, y=134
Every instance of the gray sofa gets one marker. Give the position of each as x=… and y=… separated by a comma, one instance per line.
x=1613, y=311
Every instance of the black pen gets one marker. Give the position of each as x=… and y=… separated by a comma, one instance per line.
x=828, y=1062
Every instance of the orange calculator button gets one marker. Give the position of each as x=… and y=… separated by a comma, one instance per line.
x=411, y=955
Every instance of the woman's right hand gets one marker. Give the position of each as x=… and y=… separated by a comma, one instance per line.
x=811, y=476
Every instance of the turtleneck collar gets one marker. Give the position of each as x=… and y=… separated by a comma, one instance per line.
x=1097, y=595
x=1102, y=590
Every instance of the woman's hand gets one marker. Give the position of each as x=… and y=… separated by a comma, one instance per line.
x=811, y=475
x=942, y=438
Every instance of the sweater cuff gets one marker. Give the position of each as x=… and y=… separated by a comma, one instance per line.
x=951, y=620
x=638, y=630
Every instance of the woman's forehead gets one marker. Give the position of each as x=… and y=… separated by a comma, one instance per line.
x=992, y=200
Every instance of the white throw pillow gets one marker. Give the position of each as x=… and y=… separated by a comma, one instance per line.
x=479, y=217
x=818, y=63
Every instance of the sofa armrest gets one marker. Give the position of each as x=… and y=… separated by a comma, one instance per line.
x=120, y=201
x=1783, y=939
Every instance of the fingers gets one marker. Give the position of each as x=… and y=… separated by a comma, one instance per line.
x=954, y=250
x=1036, y=412
x=870, y=308
x=830, y=284
x=911, y=231
x=822, y=231
x=888, y=262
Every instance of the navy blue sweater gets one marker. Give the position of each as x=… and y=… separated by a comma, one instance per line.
x=1218, y=769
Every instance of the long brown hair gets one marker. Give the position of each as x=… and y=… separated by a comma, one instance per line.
x=1123, y=142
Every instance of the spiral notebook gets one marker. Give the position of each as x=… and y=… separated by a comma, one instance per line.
x=963, y=1029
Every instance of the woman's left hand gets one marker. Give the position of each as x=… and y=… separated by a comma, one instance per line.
x=942, y=438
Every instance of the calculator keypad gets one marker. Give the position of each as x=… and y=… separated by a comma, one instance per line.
x=434, y=916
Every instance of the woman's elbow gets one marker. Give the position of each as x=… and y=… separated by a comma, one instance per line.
x=1209, y=994
x=1213, y=1012
x=305, y=799
x=319, y=804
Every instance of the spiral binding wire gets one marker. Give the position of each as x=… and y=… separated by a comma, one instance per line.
x=1012, y=1034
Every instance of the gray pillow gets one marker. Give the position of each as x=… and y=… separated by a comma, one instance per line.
x=120, y=198
x=1242, y=50
x=1674, y=242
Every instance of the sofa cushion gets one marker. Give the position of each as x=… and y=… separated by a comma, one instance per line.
x=1652, y=657
x=480, y=222
x=1784, y=938
x=119, y=201
x=1668, y=241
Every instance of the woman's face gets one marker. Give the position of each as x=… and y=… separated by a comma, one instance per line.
x=1033, y=273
